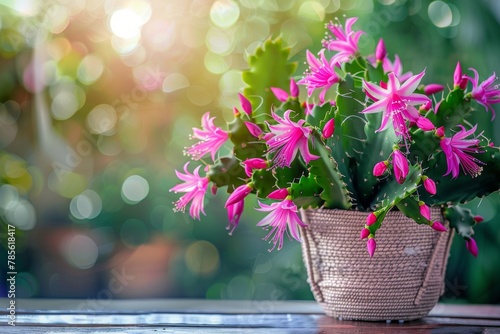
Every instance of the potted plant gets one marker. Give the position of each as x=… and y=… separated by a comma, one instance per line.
x=371, y=153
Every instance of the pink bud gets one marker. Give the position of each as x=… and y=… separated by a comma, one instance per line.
x=280, y=94
x=329, y=128
x=245, y=104
x=380, y=168
x=236, y=112
x=425, y=124
x=380, y=51
x=213, y=189
x=279, y=194
x=253, y=129
x=294, y=89
x=471, y=246
x=239, y=194
x=433, y=89
x=491, y=144
x=457, y=75
x=426, y=106
x=478, y=219
x=234, y=214
x=400, y=166
x=429, y=185
x=438, y=226
x=371, y=245
x=440, y=132
x=254, y=163
x=425, y=211
x=371, y=219
x=436, y=107
x=364, y=233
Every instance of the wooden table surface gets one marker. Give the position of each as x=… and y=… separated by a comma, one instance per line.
x=228, y=316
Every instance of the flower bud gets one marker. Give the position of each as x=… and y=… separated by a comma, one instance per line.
x=213, y=189
x=380, y=51
x=329, y=128
x=478, y=219
x=239, y=194
x=471, y=246
x=400, y=166
x=380, y=168
x=236, y=112
x=425, y=124
x=364, y=233
x=280, y=94
x=433, y=89
x=438, y=226
x=426, y=106
x=254, y=129
x=440, y=132
x=279, y=194
x=457, y=75
x=425, y=211
x=436, y=107
x=254, y=163
x=371, y=219
x=429, y=185
x=371, y=245
x=245, y=104
x=294, y=89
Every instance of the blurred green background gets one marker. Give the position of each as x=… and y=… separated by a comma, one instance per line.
x=96, y=102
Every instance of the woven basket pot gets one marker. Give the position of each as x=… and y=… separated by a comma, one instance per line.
x=403, y=280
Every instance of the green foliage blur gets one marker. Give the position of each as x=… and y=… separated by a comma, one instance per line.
x=97, y=99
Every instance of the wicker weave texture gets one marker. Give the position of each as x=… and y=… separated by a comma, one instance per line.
x=403, y=280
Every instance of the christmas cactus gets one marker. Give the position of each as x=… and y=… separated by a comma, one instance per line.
x=367, y=136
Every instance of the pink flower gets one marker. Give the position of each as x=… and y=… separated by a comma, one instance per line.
x=395, y=67
x=485, y=93
x=459, y=80
x=396, y=102
x=380, y=168
x=429, y=185
x=282, y=218
x=438, y=226
x=321, y=74
x=254, y=163
x=234, y=212
x=471, y=246
x=195, y=188
x=371, y=245
x=239, y=194
x=210, y=137
x=456, y=150
x=345, y=41
x=329, y=128
x=400, y=166
x=290, y=138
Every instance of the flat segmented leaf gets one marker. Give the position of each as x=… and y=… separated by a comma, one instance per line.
x=306, y=193
x=328, y=177
x=391, y=192
x=461, y=219
x=227, y=171
x=268, y=67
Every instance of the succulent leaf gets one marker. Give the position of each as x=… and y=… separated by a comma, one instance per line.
x=268, y=67
x=227, y=171
x=306, y=193
x=328, y=177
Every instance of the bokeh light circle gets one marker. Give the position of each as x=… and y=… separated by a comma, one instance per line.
x=224, y=13
x=440, y=14
x=80, y=251
x=134, y=189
